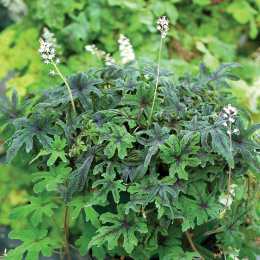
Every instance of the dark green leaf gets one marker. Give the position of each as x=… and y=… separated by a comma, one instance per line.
x=123, y=225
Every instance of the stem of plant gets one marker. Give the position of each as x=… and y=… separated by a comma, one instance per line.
x=66, y=233
x=156, y=85
x=67, y=85
x=190, y=239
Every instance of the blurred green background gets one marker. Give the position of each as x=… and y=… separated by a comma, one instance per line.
x=214, y=31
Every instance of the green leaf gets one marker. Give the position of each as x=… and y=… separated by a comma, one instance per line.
x=202, y=205
x=236, y=216
x=150, y=68
x=10, y=113
x=145, y=191
x=178, y=153
x=117, y=137
x=56, y=151
x=80, y=203
x=249, y=250
x=35, y=241
x=81, y=86
x=220, y=141
x=79, y=176
x=156, y=137
x=142, y=100
x=123, y=225
x=26, y=129
x=109, y=184
x=179, y=254
x=241, y=11
x=38, y=205
x=77, y=31
x=166, y=242
x=218, y=76
x=50, y=179
x=243, y=144
x=53, y=12
x=122, y=116
x=97, y=251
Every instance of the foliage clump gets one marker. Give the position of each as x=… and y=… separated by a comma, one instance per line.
x=139, y=190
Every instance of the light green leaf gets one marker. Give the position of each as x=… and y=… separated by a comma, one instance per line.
x=54, y=176
x=80, y=203
x=35, y=241
x=38, y=205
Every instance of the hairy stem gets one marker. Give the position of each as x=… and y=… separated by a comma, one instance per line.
x=156, y=85
x=67, y=85
x=66, y=233
x=189, y=236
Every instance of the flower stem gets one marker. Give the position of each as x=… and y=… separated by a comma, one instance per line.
x=66, y=234
x=67, y=85
x=156, y=85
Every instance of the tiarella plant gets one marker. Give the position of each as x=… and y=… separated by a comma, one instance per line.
x=136, y=165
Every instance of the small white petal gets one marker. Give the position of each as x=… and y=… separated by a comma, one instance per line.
x=225, y=124
x=225, y=115
x=159, y=27
x=159, y=21
x=236, y=130
x=52, y=72
x=228, y=132
x=226, y=110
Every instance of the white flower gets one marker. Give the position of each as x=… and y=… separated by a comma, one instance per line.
x=100, y=54
x=163, y=26
x=52, y=72
x=57, y=60
x=126, y=49
x=232, y=120
x=47, y=62
x=159, y=21
x=49, y=37
x=44, y=56
x=235, y=130
x=225, y=115
x=225, y=124
x=228, y=132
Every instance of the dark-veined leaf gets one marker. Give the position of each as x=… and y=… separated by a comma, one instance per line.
x=10, y=113
x=202, y=205
x=218, y=76
x=179, y=254
x=108, y=184
x=231, y=235
x=123, y=226
x=142, y=100
x=156, y=137
x=178, y=153
x=242, y=143
x=118, y=138
x=145, y=191
x=78, y=177
x=26, y=129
